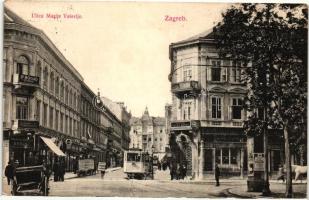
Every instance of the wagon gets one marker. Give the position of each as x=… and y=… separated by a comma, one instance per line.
x=86, y=167
x=32, y=179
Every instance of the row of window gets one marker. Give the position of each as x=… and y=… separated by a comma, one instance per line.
x=90, y=131
x=57, y=120
x=217, y=72
x=227, y=156
x=216, y=108
x=88, y=111
x=55, y=85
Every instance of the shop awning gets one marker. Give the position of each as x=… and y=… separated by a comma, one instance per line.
x=52, y=146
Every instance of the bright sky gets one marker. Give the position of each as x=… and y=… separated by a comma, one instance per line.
x=121, y=47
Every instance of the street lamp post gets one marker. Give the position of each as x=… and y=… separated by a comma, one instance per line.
x=152, y=151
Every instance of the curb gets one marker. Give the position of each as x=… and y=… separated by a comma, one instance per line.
x=241, y=196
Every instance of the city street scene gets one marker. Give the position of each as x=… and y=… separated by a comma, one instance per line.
x=136, y=99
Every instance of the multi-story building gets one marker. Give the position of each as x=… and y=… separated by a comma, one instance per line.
x=118, y=127
x=125, y=119
x=44, y=95
x=149, y=134
x=207, y=115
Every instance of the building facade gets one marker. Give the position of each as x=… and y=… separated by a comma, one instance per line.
x=149, y=134
x=207, y=114
x=45, y=96
x=118, y=126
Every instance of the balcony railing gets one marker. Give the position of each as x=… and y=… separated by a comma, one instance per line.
x=221, y=123
x=186, y=86
x=26, y=80
x=185, y=124
x=195, y=124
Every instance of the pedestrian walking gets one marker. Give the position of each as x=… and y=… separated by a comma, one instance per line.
x=9, y=172
x=178, y=172
x=102, y=173
x=56, y=171
x=217, y=175
x=159, y=165
x=173, y=169
x=183, y=170
x=61, y=171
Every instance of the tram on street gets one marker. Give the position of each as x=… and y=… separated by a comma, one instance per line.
x=138, y=164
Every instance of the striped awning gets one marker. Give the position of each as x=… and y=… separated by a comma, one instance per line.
x=52, y=146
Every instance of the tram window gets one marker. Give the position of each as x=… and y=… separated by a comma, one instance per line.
x=133, y=157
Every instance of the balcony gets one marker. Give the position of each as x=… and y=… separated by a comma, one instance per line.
x=182, y=125
x=182, y=88
x=222, y=123
x=26, y=81
x=21, y=124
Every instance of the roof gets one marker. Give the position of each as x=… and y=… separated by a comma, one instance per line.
x=114, y=107
x=135, y=121
x=11, y=17
x=158, y=120
x=208, y=34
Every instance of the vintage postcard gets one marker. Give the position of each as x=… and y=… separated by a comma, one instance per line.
x=154, y=99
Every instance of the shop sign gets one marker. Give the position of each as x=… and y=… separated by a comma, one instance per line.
x=19, y=143
x=102, y=166
x=29, y=79
x=28, y=124
x=259, y=160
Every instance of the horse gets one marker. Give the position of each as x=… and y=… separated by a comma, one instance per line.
x=299, y=170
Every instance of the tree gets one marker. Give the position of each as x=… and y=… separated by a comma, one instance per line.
x=271, y=41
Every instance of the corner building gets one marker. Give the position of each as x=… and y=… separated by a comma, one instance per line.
x=207, y=115
x=44, y=95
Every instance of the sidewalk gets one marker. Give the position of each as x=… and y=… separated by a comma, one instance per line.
x=70, y=175
x=277, y=191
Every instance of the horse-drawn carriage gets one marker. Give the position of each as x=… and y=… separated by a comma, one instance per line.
x=32, y=179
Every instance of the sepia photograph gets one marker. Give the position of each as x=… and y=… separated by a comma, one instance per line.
x=154, y=99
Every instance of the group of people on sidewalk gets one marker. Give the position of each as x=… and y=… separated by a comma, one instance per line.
x=178, y=171
x=59, y=170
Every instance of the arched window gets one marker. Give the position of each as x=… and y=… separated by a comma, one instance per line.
x=45, y=77
x=77, y=100
x=52, y=83
x=57, y=86
x=70, y=98
x=66, y=94
x=39, y=71
x=74, y=100
x=62, y=90
x=23, y=66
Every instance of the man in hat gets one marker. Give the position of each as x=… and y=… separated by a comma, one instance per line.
x=217, y=175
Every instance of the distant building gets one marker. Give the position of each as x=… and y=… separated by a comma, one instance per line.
x=149, y=134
